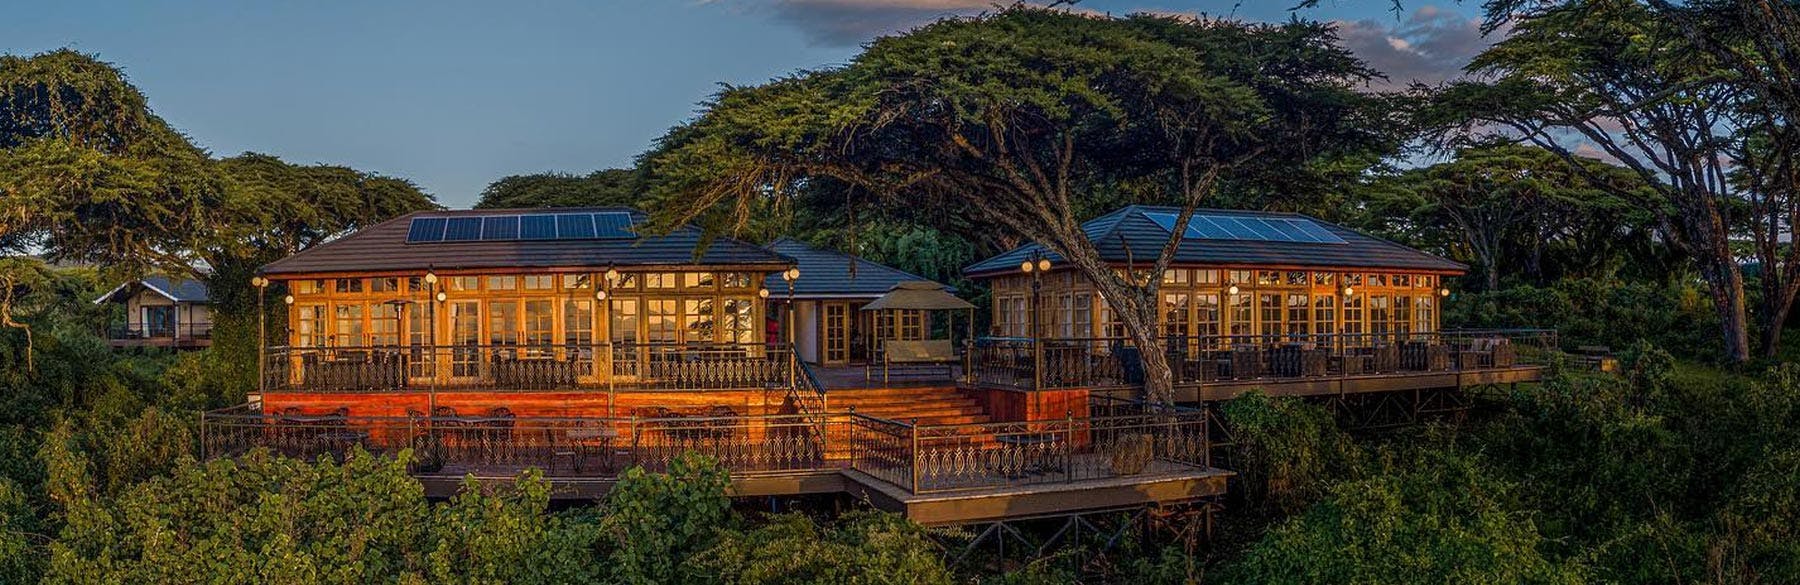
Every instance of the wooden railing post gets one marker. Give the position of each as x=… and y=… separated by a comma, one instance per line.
x=1069, y=447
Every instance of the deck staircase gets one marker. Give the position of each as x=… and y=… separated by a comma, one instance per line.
x=928, y=405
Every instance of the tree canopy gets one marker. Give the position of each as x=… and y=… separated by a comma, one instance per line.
x=1016, y=116
x=602, y=188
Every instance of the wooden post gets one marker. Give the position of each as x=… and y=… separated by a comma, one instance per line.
x=1069, y=447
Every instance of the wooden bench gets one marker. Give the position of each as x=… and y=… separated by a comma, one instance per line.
x=908, y=354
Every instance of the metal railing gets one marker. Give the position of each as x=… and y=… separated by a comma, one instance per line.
x=152, y=332
x=1013, y=362
x=1114, y=439
x=522, y=367
x=500, y=443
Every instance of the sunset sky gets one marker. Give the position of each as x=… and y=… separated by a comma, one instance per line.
x=454, y=94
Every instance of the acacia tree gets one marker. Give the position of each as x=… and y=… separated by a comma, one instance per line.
x=602, y=188
x=1611, y=74
x=1509, y=203
x=1019, y=115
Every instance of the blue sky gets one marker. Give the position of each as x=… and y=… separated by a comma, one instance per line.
x=454, y=94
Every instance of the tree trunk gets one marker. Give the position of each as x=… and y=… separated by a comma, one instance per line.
x=1726, y=286
x=1777, y=302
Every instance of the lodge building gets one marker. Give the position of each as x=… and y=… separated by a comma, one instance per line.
x=487, y=341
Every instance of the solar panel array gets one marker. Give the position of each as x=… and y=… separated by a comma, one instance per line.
x=605, y=225
x=1212, y=226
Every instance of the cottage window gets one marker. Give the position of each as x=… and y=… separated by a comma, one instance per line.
x=624, y=320
x=912, y=325
x=465, y=283
x=740, y=321
x=1297, y=278
x=347, y=327
x=502, y=282
x=1271, y=307
x=349, y=285
x=1177, y=310
x=384, y=324
x=310, y=324
x=1268, y=277
x=1242, y=314
x=1206, y=276
x=698, y=320
x=540, y=281
x=1084, y=316
x=1325, y=314
x=1424, y=315
x=1402, y=280
x=1175, y=276
x=1380, y=314
x=540, y=323
x=661, y=321
x=578, y=323
x=1238, y=277
x=503, y=322
x=1353, y=315
x=659, y=280
x=577, y=281
x=1323, y=278
x=1297, y=315
x=309, y=287
x=699, y=280
x=735, y=280
x=385, y=284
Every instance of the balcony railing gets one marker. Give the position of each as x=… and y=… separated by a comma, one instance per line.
x=1112, y=439
x=1012, y=362
x=181, y=331
x=500, y=443
x=504, y=368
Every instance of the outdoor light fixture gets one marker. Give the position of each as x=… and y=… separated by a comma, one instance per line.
x=288, y=299
x=1027, y=266
x=430, y=277
x=612, y=274
x=441, y=296
x=1349, y=291
x=600, y=295
x=762, y=293
x=259, y=282
x=1443, y=292
x=1232, y=290
x=1043, y=265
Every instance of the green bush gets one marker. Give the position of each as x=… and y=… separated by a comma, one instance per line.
x=1287, y=450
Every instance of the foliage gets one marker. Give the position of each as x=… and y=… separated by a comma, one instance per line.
x=656, y=521
x=602, y=188
x=864, y=547
x=1525, y=211
x=1439, y=516
x=1287, y=451
x=1595, y=312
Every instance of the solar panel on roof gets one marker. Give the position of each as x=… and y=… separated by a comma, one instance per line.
x=1206, y=226
x=425, y=229
x=606, y=225
x=537, y=227
x=613, y=224
x=463, y=229
x=572, y=226
x=500, y=227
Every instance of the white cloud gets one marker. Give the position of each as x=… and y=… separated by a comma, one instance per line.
x=1428, y=46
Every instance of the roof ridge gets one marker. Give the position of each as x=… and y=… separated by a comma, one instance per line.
x=851, y=257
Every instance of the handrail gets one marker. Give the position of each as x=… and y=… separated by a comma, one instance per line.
x=527, y=367
x=1097, y=362
x=805, y=390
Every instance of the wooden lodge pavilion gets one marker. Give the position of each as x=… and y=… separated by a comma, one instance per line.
x=487, y=341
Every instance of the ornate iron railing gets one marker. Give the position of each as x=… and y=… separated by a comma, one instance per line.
x=179, y=331
x=1025, y=363
x=504, y=444
x=521, y=367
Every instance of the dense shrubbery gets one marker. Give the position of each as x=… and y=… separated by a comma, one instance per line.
x=1603, y=312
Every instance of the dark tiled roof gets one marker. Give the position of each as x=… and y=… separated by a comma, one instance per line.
x=824, y=273
x=1126, y=234
x=383, y=248
x=178, y=290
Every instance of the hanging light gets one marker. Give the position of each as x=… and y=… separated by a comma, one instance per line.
x=430, y=277
x=612, y=274
x=762, y=292
x=1349, y=291
x=259, y=282
x=791, y=274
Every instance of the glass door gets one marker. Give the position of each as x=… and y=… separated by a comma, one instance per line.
x=836, y=325
x=465, y=340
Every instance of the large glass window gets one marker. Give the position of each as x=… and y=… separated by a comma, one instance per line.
x=349, y=285
x=699, y=280
x=1424, y=315
x=660, y=321
x=1402, y=314
x=503, y=322
x=740, y=321
x=1298, y=315
x=1353, y=315
x=1206, y=317
x=697, y=320
x=540, y=323
x=912, y=325
x=347, y=328
x=1243, y=314
x=384, y=324
x=1177, y=313
x=1324, y=314
x=309, y=323
x=1271, y=307
x=578, y=322
x=1083, y=316
x=1381, y=314
x=625, y=319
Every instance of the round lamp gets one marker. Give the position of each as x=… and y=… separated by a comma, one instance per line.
x=1443, y=292
x=1027, y=266
x=762, y=292
x=1043, y=265
x=1232, y=290
x=1349, y=291
x=600, y=294
x=430, y=278
x=442, y=296
x=289, y=299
